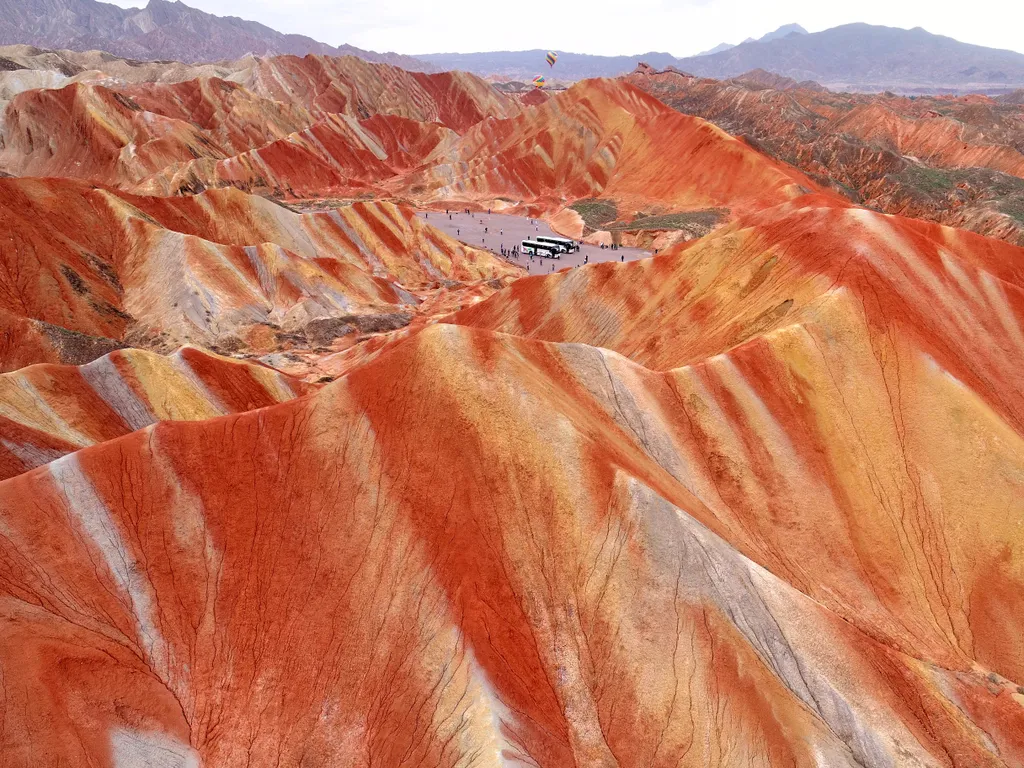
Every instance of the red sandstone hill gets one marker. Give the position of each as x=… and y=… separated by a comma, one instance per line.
x=604, y=138
x=108, y=136
x=755, y=501
x=343, y=127
x=123, y=135
x=812, y=352
x=348, y=85
x=204, y=269
x=959, y=161
x=336, y=156
x=47, y=411
x=531, y=561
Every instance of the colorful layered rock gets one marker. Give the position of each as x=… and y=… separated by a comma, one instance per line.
x=191, y=270
x=608, y=139
x=955, y=160
x=47, y=411
x=479, y=548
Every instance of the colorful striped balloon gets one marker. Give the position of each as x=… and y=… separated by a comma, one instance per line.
x=552, y=57
x=539, y=81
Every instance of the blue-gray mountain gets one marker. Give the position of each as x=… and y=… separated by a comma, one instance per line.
x=853, y=56
x=161, y=30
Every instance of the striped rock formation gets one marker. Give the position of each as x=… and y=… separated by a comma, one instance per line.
x=783, y=267
x=121, y=136
x=192, y=270
x=754, y=502
x=309, y=114
x=478, y=549
x=347, y=85
x=47, y=411
x=841, y=388
x=955, y=160
x=606, y=138
x=336, y=156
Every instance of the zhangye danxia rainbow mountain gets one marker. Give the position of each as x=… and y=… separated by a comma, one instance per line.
x=360, y=415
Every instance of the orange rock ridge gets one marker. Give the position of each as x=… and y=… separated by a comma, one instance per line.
x=956, y=160
x=564, y=597
x=604, y=138
x=194, y=269
x=756, y=501
x=47, y=411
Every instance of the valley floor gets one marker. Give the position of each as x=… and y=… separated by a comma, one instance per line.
x=507, y=230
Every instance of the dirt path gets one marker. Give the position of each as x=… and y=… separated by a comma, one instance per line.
x=506, y=230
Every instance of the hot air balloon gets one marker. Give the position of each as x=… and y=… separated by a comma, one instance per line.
x=538, y=81
x=552, y=57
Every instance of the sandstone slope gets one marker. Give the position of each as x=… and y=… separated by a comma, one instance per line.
x=608, y=139
x=840, y=388
x=753, y=502
x=520, y=577
x=347, y=114
x=959, y=161
x=47, y=411
x=198, y=269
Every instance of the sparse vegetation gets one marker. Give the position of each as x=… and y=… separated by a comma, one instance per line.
x=74, y=280
x=596, y=214
x=691, y=220
x=1005, y=191
x=931, y=182
x=603, y=215
x=1013, y=208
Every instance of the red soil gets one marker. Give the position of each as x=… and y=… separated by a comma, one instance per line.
x=563, y=595
x=952, y=160
x=197, y=269
x=753, y=502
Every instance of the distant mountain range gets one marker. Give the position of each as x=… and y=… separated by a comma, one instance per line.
x=786, y=29
x=856, y=57
x=162, y=30
x=862, y=56
x=859, y=57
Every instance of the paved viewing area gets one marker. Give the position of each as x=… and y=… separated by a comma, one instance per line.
x=503, y=229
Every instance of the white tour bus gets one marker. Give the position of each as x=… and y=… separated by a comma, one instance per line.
x=566, y=245
x=545, y=250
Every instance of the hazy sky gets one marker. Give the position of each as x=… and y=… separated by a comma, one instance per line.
x=680, y=27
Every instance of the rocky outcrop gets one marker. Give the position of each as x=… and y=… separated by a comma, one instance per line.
x=47, y=411
x=957, y=161
x=193, y=270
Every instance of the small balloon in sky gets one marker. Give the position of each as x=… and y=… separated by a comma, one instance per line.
x=551, y=58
